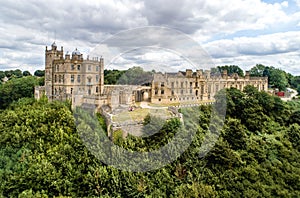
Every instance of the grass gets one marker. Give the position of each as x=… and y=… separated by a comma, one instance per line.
x=140, y=114
x=180, y=103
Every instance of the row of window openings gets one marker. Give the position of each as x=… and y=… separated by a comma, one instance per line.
x=162, y=92
x=89, y=79
x=193, y=98
x=79, y=67
x=60, y=91
x=182, y=84
x=191, y=84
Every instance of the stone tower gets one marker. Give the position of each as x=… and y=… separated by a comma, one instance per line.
x=50, y=56
x=101, y=81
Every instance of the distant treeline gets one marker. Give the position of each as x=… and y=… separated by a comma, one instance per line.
x=19, y=74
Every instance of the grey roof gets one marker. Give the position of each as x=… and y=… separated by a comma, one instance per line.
x=54, y=44
x=76, y=52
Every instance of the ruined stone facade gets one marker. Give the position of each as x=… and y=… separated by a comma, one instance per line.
x=192, y=87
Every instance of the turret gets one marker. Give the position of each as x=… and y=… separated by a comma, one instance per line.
x=189, y=73
x=224, y=74
x=50, y=56
x=101, y=80
x=247, y=76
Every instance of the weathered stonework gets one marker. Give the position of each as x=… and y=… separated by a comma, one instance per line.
x=71, y=77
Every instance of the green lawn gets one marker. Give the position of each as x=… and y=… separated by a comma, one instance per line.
x=140, y=114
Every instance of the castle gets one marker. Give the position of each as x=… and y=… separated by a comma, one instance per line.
x=70, y=77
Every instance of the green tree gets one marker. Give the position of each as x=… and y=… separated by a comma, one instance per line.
x=294, y=135
x=257, y=70
x=295, y=82
x=26, y=73
x=39, y=73
x=231, y=69
x=278, y=79
x=136, y=76
x=111, y=77
x=15, y=89
x=2, y=75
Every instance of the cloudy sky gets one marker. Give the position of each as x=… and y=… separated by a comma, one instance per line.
x=240, y=32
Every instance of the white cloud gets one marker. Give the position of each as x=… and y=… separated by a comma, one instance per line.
x=285, y=4
x=27, y=26
x=280, y=49
x=260, y=45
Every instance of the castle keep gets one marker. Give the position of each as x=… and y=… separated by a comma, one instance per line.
x=71, y=77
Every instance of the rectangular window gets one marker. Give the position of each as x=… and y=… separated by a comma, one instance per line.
x=97, y=89
x=181, y=84
x=72, y=78
x=72, y=67
x=89, y=68
x=162, y=84
x=78, y=67
x=78, y=78
x=89, y=92
x=162, y=91
x=97, y=68
x=97, y=78
x=172, y=85
x=196, y=85
x=71, y=90
x=156, y=91
x=191, y=84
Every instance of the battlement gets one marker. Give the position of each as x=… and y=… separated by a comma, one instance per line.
x=58, y=55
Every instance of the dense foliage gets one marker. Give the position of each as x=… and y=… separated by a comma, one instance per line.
x=256, y=155
x=17, y=88
x=231, y=69
x=277, y=78
x=132, y=76
x=39, y=73
x=111, y=77
x=136, y=76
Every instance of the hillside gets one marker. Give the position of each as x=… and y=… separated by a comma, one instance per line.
x=256, y=155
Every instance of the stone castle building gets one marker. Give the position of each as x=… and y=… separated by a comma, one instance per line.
x=71, y=77
x=70, y=74
x=191, y=87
